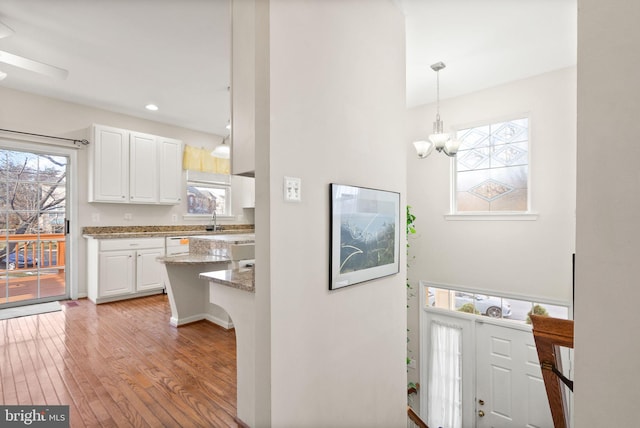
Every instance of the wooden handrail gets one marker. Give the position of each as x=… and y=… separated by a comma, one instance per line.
x=35, y=237
x=550, y=334
x=413, y=417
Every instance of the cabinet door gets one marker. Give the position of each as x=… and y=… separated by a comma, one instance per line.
x=143, y=183
x=170, y=170
x=149, y=271
x=109, y=161
x=246, y=59
x=115, y=275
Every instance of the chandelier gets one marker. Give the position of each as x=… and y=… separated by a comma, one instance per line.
x=439, y=140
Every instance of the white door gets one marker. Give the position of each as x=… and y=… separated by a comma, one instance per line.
x=439, y=406
x=509, y=386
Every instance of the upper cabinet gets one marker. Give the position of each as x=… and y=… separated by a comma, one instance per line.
x=143, y=155
x=109, y=165
x=132, y=167
x=243, y=88
x=170, y=167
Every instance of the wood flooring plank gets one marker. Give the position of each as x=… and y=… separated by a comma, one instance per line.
x=40, y=370
x=121, y=364
x=73, y=395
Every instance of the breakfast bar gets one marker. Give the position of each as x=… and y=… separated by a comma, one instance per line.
x=213, y=258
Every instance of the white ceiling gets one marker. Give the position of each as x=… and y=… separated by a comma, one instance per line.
x=485, y=43
x=122, y=55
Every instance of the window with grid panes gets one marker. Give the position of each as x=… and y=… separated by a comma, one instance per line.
x=492, y=168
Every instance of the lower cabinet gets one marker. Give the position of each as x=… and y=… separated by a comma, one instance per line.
x=124, y=268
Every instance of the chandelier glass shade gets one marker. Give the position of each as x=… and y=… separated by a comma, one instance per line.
x=222, y=150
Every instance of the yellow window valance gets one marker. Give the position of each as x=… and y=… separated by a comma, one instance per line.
x=200, y=159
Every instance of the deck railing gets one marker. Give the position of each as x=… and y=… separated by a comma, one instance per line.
x=29, y=251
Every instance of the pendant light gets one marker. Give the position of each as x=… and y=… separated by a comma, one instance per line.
x=222, y=150
x=439, y=140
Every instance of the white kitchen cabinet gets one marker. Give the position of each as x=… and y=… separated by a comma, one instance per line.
x=246, y=58
x=115, y=273
x=124, y=268
x=109, y=165
x=133, y=167
x=149, y=272
x=170, y=169
x=143, y=155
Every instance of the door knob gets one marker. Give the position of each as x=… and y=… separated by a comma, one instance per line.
x=480, y=413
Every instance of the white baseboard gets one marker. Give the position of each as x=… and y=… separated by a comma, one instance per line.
x=218, y=321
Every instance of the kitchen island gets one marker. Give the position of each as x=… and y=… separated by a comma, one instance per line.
x=189, y=296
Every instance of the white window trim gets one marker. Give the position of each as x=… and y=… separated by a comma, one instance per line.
x=199, y=178
x=503, y=216
x=455, y=215
x=503, y=294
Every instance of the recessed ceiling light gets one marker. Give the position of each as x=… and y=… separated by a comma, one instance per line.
x=2, y=75
x=151, y=107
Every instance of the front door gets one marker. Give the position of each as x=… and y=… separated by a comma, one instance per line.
x=509, y=390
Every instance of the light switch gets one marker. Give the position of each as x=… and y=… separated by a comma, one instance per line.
x=292, y=189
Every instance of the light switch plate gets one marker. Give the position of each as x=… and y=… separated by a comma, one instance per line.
x=292, y=189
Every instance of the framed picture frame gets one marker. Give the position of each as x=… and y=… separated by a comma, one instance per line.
x=365, y=234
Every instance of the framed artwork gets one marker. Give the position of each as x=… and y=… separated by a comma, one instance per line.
x=365, y=234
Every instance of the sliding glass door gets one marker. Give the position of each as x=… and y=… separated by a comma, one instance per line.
x=33, y=228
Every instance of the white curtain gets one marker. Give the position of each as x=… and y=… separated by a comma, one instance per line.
x=445, y=377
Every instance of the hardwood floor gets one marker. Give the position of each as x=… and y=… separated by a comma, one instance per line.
x=121, y=364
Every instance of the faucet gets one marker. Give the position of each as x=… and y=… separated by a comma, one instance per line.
x=213, y=223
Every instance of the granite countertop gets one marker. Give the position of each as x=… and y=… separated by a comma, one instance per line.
x=192, y=259
x=242, y=278
x=231, y=238
x=119, y=232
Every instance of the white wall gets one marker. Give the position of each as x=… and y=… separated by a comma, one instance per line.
x=607, y=250
x=336, y=115
x=21, y=111
x=521, y=257
x=528, y=258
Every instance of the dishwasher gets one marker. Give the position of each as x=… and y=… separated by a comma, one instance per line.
x=176, y=245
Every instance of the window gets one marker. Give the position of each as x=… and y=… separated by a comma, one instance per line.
x=477, y=303
x=492, y=168
x=207, y=192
